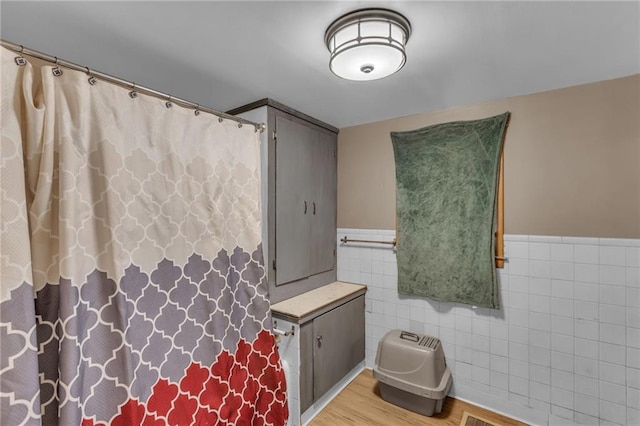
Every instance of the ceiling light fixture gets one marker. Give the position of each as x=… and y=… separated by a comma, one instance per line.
x=367, y=44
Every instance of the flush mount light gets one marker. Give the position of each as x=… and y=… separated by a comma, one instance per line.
x=367, y=44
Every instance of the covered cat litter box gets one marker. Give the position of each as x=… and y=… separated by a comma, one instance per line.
x=412, y=371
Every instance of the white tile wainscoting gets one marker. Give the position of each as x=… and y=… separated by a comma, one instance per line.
x=563, y=349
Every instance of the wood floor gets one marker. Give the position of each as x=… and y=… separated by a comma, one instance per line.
x=360, y=403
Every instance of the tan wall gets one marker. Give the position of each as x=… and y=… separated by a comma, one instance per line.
x=572, y=162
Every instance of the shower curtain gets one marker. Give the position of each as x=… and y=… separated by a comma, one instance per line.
x=132, y=288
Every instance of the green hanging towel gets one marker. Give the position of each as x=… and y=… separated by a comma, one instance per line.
x=446, y=193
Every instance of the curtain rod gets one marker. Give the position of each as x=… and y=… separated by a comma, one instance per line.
x=131, y=85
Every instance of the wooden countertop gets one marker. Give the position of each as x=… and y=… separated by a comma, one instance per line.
x=317, y=300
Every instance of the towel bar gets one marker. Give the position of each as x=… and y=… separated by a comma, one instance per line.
x=279, y=332
x=347, y=240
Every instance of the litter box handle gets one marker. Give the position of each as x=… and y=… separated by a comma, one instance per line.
x=405, y=335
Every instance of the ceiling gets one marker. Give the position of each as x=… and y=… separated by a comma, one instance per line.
x=227, y=54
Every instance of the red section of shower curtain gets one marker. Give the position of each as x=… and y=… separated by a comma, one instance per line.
x=245, y=389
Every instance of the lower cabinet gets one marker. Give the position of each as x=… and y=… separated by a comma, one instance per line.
x=321, y=344
x=331, y=345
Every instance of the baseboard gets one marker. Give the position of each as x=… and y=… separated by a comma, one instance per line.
x=506, y=408
x=499, y=406
x=463, y=393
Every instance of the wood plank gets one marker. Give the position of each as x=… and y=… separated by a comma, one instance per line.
x=500, y=216
x=500, y=207
x=360, y=403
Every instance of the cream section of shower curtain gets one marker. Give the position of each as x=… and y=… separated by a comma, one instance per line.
x=19, y=384
x=135, y=229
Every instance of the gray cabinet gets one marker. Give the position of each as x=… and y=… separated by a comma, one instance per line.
x=305, y=200
x=328, y=344
x=331, y=345
x=299, y=198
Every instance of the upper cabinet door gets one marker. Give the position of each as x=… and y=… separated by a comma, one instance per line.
x=323, y=200
x=292, y=200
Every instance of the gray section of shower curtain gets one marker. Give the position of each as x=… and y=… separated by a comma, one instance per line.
x=19, y=337
x=147, y=328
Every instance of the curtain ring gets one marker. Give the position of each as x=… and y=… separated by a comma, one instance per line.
x=57, y=72
x=20, y=61
x=92, y=80
x=133, y=94
x=197, y=111
x=168, y=104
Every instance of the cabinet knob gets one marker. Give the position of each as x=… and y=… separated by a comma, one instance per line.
x=319, y=339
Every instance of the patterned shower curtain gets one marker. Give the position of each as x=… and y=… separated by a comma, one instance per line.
x=132, y=285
